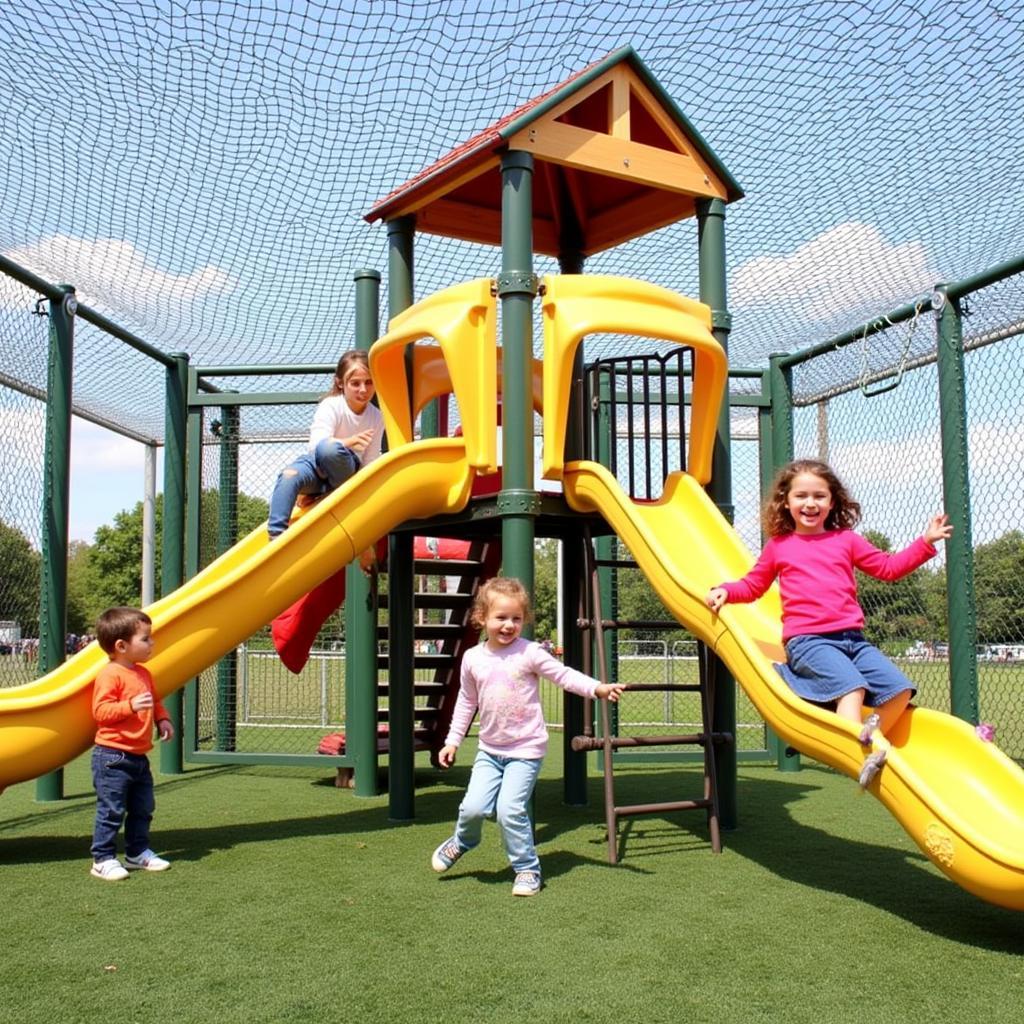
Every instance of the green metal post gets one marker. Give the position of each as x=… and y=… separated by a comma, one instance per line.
x=360, y=606
x=401, y=581
x=401, y=747
x=193, y=540
x=56, y=489
x=574, y=773
x=780, y=388
x=175, y=449
x=963, y=666
x=712, y=274
x=574, y=777
x=518, y=502
x=227, y=537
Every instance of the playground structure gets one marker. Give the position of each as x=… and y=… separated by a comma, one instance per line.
x=962, y=808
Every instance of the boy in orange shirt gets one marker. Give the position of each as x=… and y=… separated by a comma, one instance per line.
x=125, y=707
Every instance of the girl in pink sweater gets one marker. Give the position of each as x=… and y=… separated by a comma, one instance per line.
x=812, y=549
x=501, y=680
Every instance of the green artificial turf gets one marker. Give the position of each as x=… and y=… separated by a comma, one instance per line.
x=290, y=900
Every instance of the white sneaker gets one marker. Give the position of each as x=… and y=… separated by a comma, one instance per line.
x=147, y=861
x=109, y=870
x=527, y=883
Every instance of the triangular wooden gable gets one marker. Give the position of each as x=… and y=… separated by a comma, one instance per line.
x=614, y=158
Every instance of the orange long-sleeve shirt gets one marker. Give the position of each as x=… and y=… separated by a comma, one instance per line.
x=118, y=725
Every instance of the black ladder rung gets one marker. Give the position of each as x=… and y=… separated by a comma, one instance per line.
x=422, y=661
x=428, y=630
x=418, y=689
x=445, y=566
x=418, y=713
x=456, y=600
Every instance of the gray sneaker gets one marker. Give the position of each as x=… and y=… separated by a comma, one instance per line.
x=527, y=883
x=446, y=854
x=871, y=767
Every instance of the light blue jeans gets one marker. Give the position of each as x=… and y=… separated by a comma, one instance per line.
x=501, y=786
x=316, y=472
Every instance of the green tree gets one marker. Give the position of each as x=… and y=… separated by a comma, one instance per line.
x=893, y=611
x=83, y=606
x=116, y=556
x=20, y=567
x=999, y=589
x=545, y=589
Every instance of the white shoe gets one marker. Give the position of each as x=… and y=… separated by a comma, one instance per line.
x=109, y=870
x=147, y=861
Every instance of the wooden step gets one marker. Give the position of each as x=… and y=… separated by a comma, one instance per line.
x=419, y=713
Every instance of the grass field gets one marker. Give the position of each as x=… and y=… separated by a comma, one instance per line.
x=292, y=901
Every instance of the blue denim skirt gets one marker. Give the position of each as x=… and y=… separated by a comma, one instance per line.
x=822, y=667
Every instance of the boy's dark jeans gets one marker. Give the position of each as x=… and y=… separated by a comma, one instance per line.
x=124, y=793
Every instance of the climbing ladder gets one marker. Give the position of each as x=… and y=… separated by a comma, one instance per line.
x=593, y=621
x=441, y=634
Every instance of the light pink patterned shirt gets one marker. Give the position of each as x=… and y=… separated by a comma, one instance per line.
x=505, y=687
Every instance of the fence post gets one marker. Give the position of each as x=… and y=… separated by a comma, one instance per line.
x=963, y=631
x=780, y=388
x=53, y=610
x=227, y=537
x=193, y=526
x=360, y=608
x=172, y=576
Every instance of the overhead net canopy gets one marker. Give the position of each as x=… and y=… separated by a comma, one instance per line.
x=199, y=170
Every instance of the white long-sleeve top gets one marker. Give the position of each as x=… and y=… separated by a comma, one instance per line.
x=334, y=418
x=505, y=687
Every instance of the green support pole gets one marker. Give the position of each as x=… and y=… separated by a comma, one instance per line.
x=56, y=489
x=780, y=388
x=963, y=665
x=401, y=675
x=193, y=541
x=175, y=448
x=574, y=777
x=712, y=274
x=606, y=549
x=518, y=502
x=574, y=773
x=401, y=760
x=227, y=537
x=360, y=607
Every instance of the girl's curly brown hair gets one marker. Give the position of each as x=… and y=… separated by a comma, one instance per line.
x=499, y=586
x=775, y=517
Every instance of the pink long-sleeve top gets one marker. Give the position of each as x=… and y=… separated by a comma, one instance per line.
x=505, y=687
x=815, y=573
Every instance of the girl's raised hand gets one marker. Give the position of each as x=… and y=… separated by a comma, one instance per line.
x=939, y=528
x=609, y=690
x=359, y=442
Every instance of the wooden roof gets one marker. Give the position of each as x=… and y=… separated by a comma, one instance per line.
x=614, y=158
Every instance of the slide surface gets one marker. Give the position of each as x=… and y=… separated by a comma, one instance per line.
x=959, y=798
x=46, y=723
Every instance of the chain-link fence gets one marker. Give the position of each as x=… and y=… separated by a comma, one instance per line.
x=872, y=410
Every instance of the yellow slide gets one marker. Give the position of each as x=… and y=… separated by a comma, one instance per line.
x=48, y=722
x=960, y=799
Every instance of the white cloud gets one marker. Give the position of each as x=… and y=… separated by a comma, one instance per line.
x=846, y=267
x=111, y=272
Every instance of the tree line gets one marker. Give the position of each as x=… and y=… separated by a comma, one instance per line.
x=108, y=572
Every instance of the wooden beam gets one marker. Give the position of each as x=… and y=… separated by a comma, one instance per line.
x=618, y=158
